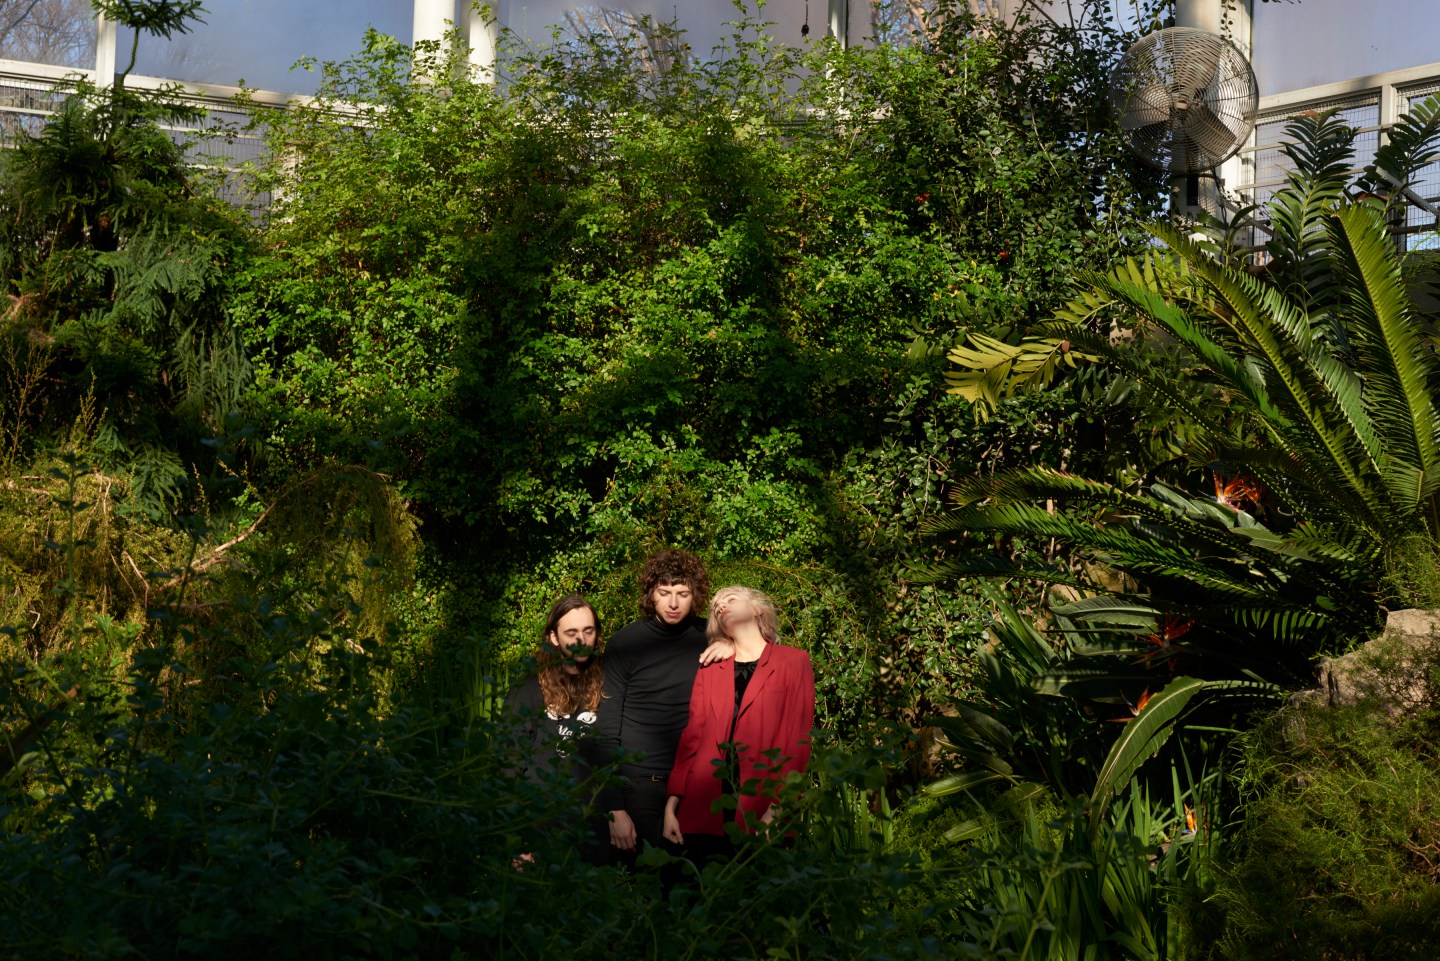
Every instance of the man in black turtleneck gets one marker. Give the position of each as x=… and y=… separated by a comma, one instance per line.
x=650, y=668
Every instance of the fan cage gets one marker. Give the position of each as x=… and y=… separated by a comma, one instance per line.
x=1186, y=99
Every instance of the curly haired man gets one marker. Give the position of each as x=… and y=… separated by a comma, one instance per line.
x=650, y=668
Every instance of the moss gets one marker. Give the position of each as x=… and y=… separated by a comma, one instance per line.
x=1412, y=573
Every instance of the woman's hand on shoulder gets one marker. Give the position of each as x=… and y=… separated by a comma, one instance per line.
x=717, y=651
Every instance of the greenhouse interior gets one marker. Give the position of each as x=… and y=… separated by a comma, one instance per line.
x=774, y=479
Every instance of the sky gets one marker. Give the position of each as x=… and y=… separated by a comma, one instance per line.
x=1297, y=44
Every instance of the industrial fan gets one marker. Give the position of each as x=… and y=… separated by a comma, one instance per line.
x=1186, y=99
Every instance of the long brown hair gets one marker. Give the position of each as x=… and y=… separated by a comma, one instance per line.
x=565, y=693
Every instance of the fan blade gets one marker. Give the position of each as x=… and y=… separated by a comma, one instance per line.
x=1155, y=143
x=1147, y=105
x=1152, y=136
x=1196, y=62
x=1211, y=135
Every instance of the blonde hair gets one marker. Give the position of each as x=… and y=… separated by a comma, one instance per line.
x=765, y=616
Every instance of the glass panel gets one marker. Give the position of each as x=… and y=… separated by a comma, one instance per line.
x=57, y=32
x=257, y=41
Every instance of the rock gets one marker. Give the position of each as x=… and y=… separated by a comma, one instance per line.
x=1395, y=670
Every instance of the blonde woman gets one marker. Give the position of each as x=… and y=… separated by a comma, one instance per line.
x=762, y=699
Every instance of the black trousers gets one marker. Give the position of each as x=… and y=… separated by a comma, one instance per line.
x=703, y=848
x=645, y=800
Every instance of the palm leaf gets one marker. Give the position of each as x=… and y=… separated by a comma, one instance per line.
x=1308, y=384
x=994, y=370
x=1400, y=371
x=1142, y=737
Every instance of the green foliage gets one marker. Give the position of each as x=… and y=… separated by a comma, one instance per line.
x=996, y=369
x=118, y=262
x=676, y=312
x=1221, y=578
x=556, y=322
x=296, y=818
x=70, y=552
x=1032, y=877
x=1020, y=733
x=1337, y=855
x=1304, y=389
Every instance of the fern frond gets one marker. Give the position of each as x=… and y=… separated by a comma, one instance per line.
x=1411, y=144
x=994, y=370
x=1322, y=151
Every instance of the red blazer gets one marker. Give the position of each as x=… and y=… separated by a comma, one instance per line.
x=778, y=712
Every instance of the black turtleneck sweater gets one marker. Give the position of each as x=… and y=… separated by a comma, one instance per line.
x=649, y=670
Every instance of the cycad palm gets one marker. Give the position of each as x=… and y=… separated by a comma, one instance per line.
x=1325, y=368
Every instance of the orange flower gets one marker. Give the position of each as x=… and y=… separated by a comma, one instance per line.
x=1238, y=493
x=1162, y=641
x=1135, y=708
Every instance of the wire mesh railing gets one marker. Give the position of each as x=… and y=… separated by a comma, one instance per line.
x=1371, y=108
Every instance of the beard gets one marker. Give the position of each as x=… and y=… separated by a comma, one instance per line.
x=576, y=666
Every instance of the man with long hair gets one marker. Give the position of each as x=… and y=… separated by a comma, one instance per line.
x=649, y=671
x=558, y=705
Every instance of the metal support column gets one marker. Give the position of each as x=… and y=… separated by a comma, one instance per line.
x=482, y=29
x=432, y=19
x=838, y=21
x=1201, y=14
x=107, y=40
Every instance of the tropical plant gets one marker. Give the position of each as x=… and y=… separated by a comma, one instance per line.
x=1038, y=877
x=1303, y=387
x=116, y=258
x=1069, y=837
x=1037, y=721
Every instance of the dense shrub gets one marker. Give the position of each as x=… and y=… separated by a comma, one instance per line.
x=680, y=311
x=294, y=820
x=1339, y=850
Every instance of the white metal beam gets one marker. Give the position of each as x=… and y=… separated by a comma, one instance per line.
x=1349, y=88
x=432, y=19
x=482, y=30
x=838, y=20
x=107, y=40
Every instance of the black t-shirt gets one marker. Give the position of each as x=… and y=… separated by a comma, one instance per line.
x=649, y=670
x=565, y=743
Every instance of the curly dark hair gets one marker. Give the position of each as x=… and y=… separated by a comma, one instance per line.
x=673, y=567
